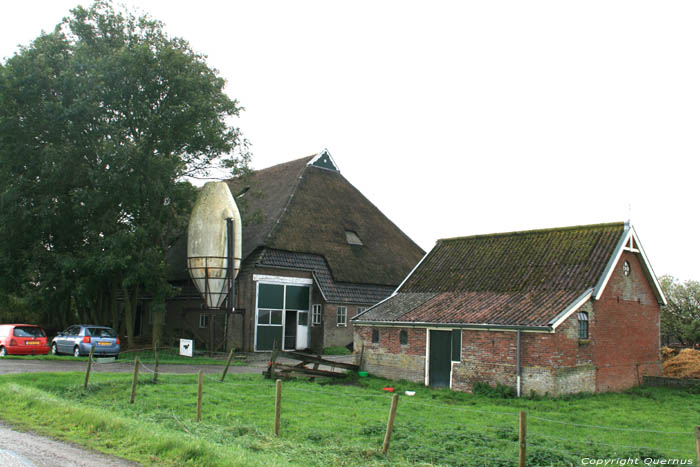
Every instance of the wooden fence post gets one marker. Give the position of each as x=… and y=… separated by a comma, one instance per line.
x=155, y=371
x=522, y=458
x=136, y=380
x=697, y=443
x=228, y=363
x=390, y=423
x=89, y=366
x=199, y=397
x=278, y=405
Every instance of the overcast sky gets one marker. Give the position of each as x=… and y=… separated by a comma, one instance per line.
x=463, y=118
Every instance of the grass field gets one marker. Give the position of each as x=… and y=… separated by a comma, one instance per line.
x=343, y=424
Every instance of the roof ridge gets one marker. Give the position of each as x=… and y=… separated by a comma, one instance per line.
x=278, y=221
x=533, y=231
x=257, y=171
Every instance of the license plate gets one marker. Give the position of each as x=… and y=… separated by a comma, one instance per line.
x=104, y=343
x=32, y=342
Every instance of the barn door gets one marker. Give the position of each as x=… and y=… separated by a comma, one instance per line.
x=440, y=359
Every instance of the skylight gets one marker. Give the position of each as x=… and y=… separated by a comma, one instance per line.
x=352, y=238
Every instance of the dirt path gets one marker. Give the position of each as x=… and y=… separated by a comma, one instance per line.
x=20, y=449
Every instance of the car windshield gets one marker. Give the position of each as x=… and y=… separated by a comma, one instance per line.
x=101, y=332
x=29, y=331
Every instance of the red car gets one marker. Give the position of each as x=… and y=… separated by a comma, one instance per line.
x=22, y=339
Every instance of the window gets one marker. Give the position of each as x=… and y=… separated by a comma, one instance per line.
x=203, y=320
x=342, y=316
x=270, y=317
x=352, y=238
x=626, y=268
x=360, y=309
x=315, y=315
x=583, y=325
x=375, y=336
x=456, y=345
x=303, y=318
x=403, y=338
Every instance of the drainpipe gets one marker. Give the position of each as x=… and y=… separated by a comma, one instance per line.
x=518, y=362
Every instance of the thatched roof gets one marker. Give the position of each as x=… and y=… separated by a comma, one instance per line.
x=309, y=208
x=512, y=279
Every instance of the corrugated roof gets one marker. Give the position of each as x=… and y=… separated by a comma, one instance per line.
x=517, y=278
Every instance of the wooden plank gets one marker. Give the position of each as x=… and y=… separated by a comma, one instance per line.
x=314, y=359
x=309, y=371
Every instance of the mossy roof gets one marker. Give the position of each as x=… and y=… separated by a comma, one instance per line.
x=516, y=278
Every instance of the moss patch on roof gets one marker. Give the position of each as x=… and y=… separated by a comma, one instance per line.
x=570, y=258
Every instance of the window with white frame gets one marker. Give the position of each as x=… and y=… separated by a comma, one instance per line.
x=315, y=315
x=203, y=320
x=342, y=316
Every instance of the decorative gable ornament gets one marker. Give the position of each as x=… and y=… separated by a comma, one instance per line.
x=324, y=161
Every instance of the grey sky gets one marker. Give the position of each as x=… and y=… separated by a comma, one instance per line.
x=460, y=118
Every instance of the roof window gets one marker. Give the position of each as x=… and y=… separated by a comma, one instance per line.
x=352, y=238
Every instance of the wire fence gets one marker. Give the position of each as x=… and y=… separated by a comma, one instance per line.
x=342, y=420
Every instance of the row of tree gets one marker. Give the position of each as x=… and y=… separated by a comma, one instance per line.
x=101, y=122
x=680, y=319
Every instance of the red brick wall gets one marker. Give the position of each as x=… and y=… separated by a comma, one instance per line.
x=623, y=345
x=625, y=331
x=388, y=358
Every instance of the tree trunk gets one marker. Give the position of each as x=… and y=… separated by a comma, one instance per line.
x=130, y=313
x=114, y=306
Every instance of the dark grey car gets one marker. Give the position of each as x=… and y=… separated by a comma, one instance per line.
x=80, y=338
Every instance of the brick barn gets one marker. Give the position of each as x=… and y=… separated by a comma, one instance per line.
x=551, y=311
x=315, y=253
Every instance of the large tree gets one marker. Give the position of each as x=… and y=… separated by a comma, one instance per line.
x=680, y=318
x=101, y=120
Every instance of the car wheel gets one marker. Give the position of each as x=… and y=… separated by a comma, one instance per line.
x=3, y=352
x=76, y=351
x=54, y=349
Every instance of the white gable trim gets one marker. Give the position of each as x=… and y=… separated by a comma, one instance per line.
x=571, y=309
x=412, y=271
x=628, y=234
x=282, y=280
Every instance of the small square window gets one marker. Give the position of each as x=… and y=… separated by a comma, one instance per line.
x=275, y=316
x=203, y=320
x=342, y=316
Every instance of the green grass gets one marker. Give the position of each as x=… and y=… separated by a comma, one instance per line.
x=343, y=424
x=337, y=350
x=171, y=356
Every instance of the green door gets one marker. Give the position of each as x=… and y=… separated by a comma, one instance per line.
x=440, y=359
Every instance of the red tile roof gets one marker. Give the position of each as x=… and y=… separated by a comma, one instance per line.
x=512, y=279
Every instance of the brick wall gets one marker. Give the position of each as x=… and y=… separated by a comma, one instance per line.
x=388, y=358
x=623, y=346
x=334, y=335
x=625, y=332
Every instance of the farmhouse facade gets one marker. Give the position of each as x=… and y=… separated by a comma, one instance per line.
x=552, y=311
x=316, y=252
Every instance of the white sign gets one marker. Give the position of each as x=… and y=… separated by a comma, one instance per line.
x=186, y=347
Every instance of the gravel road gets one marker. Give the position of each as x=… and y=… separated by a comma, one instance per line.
x=19, y=449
